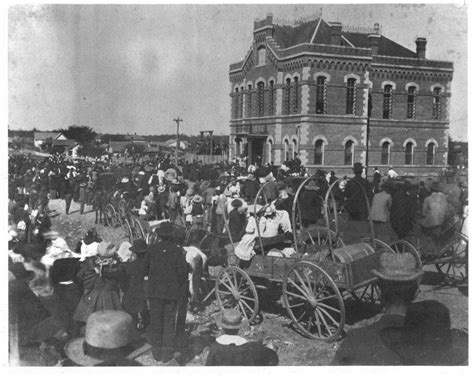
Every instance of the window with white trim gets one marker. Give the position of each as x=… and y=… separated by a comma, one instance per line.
x=288, y=96
x=262, y=56
x=387, y=101
x=411, y=102
x=437, y=103
x=260, y=99
x=319, y=152
x=409, y=149
x=286, y=149
x=430, y=154
x=350, y=96
x=249, y=101
x=348, y=153
x=295, y=99
x=271, y=96
x=385, y=153
x=321, y=95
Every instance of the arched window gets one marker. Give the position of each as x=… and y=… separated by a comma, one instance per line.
x=385, y=153
x=241, y=103
x=294, y=148
x=269, y=151
x=321, y=95
x=387, y=102
x=437, y=103
x=350, y=96
x=409, y=148
x=295, y=101
x=430, y=154
x=319, y=152
x=260, y=99
x=262, y=56
x=249, y=101
x=271, y=96
x=235, y=113
x=349, y=153
x=288, y=96
x=286, y=149
x=411, y=102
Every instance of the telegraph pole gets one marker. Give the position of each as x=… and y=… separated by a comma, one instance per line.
x=177, y=120
x=369, y=114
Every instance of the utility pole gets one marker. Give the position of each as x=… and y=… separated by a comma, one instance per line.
x=369, y=114
x=211, y=145
x=177, y=120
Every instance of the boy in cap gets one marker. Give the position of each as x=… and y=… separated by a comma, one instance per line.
x=230, y=349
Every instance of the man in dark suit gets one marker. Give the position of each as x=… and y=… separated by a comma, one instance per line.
x=167, y=273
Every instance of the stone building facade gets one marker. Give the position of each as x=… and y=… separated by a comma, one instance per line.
x=314, y=89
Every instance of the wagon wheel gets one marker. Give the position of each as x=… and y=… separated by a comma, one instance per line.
x=122, y=210
x=403, y=246
x=235, y=289
x=111, y=215
x=129, y=230
x=317, y=238
x=369, y=294
x=453, y=260
x=139, y=232
x=380, y=245
x=313, y=301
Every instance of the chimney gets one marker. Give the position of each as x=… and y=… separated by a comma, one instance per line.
x=269, y=18
x=336, y=32
x=420, y=48
x=374, y=40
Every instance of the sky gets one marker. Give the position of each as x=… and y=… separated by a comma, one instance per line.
x=134, y=68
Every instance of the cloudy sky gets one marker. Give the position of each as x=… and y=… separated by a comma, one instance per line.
x=133, y=68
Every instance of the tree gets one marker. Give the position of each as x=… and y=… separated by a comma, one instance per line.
x=91, y=150
x=80, y=133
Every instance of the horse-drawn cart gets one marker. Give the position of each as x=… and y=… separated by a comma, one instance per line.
x=312, y=280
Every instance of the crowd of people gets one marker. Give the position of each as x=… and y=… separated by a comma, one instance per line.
x=85, y=285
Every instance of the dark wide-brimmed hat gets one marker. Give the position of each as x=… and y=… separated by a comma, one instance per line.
x=398, y=267
x=165, y=230
x=236, y=203
x=109, y=336
x=139, y=246
x=229, y=319
x=311, y=186
x=357, y=168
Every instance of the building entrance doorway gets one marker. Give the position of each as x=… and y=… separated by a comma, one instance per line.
x=256, y=150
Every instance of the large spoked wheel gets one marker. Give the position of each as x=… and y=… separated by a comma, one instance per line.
x=404, y=246
x=369, y=294
x=453, y=260
x=128, y=228
x=122, y=210
x=316, y=238
x=138, y=231
x=235, y=289
x=313, y=301
x=111, y=215
x=380, y=245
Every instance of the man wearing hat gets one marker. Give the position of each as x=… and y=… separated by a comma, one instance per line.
x=434, y=211
x=166, y=268
x=230, y=349
x=237, y=220
x=356, y=204
x=399, y=277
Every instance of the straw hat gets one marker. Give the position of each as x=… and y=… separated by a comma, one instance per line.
x=229, y=319
x=398, y=267
x=109, y=336
x=197, y=199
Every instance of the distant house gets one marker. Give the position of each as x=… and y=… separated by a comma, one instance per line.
x=39, y=138
x=62, y=145
x=183, y=144
x=134, y=138
x=117, y=146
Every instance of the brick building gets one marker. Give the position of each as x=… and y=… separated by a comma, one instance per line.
x=307, y=89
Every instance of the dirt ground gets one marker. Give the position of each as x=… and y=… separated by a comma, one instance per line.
x=275, y=328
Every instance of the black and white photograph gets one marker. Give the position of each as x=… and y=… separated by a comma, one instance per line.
x=237, y=184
